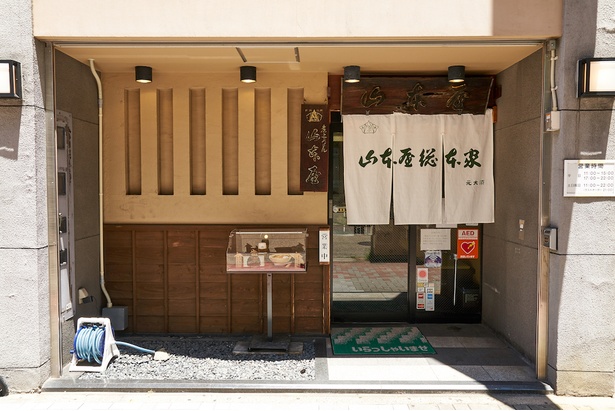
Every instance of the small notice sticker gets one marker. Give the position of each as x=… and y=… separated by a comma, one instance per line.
x=430, y=302
x=323, y=246
x=422, y=275
x=420, y=301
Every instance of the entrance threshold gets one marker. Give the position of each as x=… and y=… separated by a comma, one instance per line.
x=469, y=358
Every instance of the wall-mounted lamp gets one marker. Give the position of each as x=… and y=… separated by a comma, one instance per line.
x=596, y=77
x=247, y=74
x=10, y=79
x=143, y=74
x=352, y=74
x=456, y=74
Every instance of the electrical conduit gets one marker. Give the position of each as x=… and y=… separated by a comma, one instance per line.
x=552, y=78
x=100, y=183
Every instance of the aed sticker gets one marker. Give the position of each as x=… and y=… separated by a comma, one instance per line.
x=467, y=243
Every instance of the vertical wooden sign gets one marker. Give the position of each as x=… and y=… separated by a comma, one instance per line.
x=314, y=147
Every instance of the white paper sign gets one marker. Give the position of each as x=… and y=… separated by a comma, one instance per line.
x=435, y=239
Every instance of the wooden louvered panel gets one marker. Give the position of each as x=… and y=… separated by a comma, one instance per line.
x=132, y=114
x=262, y=141
x=165, y=141
x=198, y=140
x=203, y=149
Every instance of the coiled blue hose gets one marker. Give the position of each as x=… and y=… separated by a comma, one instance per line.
x=89, y=343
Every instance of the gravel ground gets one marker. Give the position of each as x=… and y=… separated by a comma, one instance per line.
x=205, y=359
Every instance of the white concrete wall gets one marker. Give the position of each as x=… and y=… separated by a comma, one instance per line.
x=24, y=289
x=582, y=291
x=295, y=19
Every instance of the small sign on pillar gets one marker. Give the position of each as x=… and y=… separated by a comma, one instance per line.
x=323, y=246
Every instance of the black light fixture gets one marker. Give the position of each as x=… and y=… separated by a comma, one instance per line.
x=10, y=79
x=352, y=74
x=247, y=74
x=456, y=74
x=596, y=77
x=143, y=74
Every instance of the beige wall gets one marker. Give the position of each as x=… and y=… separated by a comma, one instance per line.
x=171, y=157
x=198, y=20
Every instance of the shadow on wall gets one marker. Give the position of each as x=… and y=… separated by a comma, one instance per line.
x=10, y=118
x=4, y=390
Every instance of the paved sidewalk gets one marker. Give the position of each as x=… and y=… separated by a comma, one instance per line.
x=296, y=402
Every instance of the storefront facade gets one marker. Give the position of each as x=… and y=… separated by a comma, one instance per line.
x=195, y=154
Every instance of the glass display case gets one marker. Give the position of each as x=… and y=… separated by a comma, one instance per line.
x=266, y=250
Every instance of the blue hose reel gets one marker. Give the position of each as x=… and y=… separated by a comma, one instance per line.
x=89, y=343
x=93, y=346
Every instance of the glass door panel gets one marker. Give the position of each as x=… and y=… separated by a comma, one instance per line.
x=369, y=264
x=444, y=286
x=374, y=268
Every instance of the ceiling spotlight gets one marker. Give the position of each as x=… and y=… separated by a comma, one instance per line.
x=352, y=74
x=456, y=74
x=143, y=74
x=248, y=74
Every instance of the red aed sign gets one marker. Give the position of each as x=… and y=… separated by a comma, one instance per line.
x=467, y=243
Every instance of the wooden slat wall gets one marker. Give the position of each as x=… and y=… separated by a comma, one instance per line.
x=173, y=279
x=181, y=146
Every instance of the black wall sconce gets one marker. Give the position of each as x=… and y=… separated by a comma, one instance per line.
x=456, y=74
x=352, y=74
x=10, y=79
x=596, y=77
x=247, y=74
x=143, y=74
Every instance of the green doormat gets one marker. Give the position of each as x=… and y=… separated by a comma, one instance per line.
x=380, y=341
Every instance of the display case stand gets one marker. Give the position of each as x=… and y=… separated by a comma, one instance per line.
x=269, y=343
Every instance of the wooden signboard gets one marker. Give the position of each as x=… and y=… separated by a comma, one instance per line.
x=416, y=95
x=314, y=147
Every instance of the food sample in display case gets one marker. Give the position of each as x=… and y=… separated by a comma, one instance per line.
x=270, y=250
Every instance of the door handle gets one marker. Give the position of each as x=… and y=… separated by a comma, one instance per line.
x=62, y=224
x=63, y=256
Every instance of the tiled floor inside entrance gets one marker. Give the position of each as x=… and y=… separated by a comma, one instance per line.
x=465, y=353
